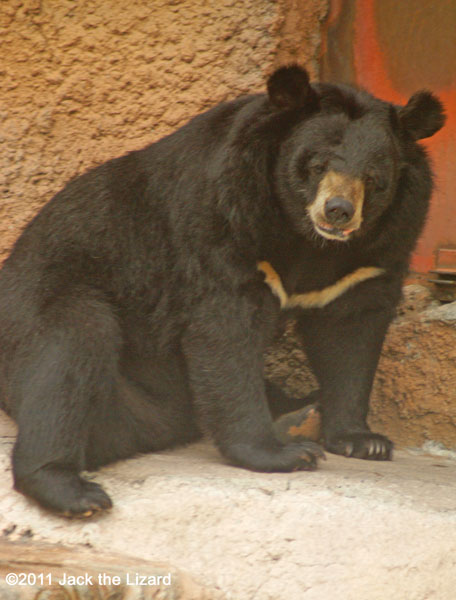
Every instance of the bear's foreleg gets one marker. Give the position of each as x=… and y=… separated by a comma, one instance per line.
x=224, y=347
x=343, y=351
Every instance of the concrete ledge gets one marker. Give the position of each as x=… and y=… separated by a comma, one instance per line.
x=353, y=529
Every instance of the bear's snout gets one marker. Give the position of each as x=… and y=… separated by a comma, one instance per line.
x=338, y=210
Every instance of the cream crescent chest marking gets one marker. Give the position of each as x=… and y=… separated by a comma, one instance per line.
x=317, y=298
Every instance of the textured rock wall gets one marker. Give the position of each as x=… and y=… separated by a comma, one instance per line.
x=414, y=396
x=82, y=82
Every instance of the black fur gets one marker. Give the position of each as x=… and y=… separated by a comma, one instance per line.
x=132, y=314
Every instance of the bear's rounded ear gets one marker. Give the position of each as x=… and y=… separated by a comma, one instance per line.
x=289, y=87
x=422, y=116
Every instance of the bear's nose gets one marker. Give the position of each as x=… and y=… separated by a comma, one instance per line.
x=338, y=210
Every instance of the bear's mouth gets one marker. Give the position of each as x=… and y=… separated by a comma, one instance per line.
x=330, y=232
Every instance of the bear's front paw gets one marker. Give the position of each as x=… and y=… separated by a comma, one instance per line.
x=367, y=445
x=276, y=457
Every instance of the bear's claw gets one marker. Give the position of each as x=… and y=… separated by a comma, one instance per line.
x=366, y=445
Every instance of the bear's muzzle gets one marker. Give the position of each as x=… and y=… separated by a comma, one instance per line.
x=337, y=209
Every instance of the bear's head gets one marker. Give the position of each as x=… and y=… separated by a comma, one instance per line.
x=338, y=168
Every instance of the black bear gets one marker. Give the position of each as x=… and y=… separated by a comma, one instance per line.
x=133, y=314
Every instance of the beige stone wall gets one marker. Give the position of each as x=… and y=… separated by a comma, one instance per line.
x=84, y=81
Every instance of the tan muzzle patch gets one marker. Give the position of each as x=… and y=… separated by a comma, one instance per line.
x=337, y=185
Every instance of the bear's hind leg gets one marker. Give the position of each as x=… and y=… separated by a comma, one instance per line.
x=151, y=411
x=63, y=371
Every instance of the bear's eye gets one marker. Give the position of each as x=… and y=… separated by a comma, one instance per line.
x=317, y=169
x=310, y=165
x=374, y=183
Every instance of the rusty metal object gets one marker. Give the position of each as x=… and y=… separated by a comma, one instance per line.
x=445, y=271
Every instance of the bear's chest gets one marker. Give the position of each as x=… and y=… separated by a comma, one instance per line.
x=307, y=270
x=313, y=281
